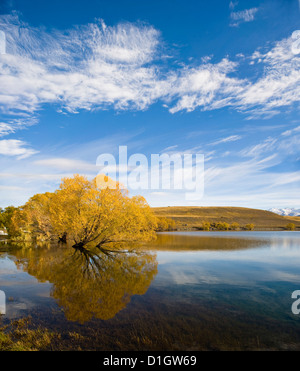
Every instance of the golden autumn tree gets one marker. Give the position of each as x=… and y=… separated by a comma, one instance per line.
x=38, y=216
x=33, y=219
x=6, y=217
x=165, y=224
x=84, y=213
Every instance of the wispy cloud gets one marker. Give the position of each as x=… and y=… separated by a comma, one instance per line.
x=15, y=148
x=233, y=4
x=96, y=67
x=291, y=131
x=241, y=16
x=284, y=144
x=11, y=126
x=211, y=86
x=231, y=138
x=245, y=181
x=88, y=67
x=208, y=86
x=67, y=165
x=5, y=129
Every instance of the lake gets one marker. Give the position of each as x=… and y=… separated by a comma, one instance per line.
x=184, y=291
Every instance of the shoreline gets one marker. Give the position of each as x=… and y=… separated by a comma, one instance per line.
x=241, y=230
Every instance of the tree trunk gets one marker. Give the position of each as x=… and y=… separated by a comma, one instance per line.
x=63, y=239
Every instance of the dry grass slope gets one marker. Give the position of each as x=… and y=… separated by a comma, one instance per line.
x=193, y=217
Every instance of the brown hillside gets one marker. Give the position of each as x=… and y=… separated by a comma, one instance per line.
x=193, y=217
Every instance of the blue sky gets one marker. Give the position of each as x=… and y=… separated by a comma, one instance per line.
x=221, y=78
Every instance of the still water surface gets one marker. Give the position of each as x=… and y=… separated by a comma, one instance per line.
x=185, y=291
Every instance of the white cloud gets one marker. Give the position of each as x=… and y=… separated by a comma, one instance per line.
x=208, y=86
x=15, y=148
x=34, y=177
x=249, y=182
x=292, y=131
x=98, y=67
x=284, y=144
x=170, y=148
x=280, y=145
x=279, y=86
x=256, y=175
x=67, y=164
x=231, y=138
x=233, y=4
x=11, y=126
x=211, y=87
x=89, y=67
x=5, y=129
x=258, y=149
x=246, y=15
x=10, y=188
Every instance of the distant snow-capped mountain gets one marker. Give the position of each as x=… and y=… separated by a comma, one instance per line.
x=286, y=211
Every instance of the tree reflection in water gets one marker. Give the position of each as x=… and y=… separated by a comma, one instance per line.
x=90, y=283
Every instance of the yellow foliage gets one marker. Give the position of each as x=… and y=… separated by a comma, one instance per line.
x=234, y=226
x=291, y=227
x=86, y=214
x=205, y=226
x=165, y=224
x=222, y=226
